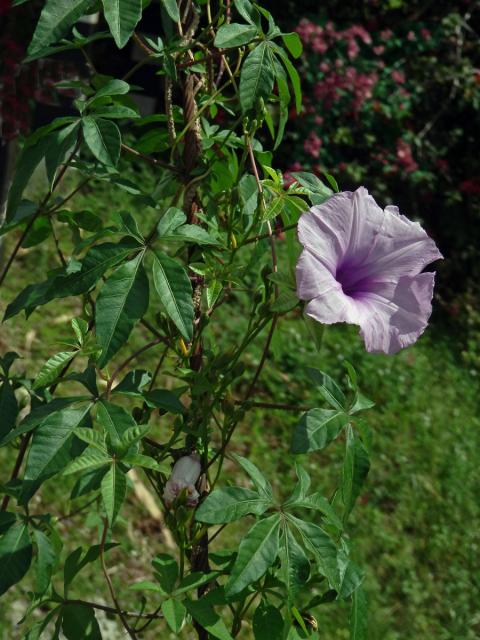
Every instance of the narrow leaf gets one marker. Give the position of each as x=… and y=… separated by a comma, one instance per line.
x=122, y=17
x=257, y=552
x=257, y=77
x=122, y=301
x=15, y=556
x=103, y=139
x=56, y=20
x=316, y=429
x=175, y=291
x=52, y=369
x=359, y=616
x=230, y=503
x=355, y=470
x=114, y=488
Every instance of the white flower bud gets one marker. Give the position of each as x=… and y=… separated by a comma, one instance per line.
x=185, y=474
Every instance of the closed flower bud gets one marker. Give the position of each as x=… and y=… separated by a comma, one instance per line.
x=185, y=474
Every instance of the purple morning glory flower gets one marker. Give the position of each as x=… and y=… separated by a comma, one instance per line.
x=363, y=265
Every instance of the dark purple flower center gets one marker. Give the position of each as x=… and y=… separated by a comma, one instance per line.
x=353, y=285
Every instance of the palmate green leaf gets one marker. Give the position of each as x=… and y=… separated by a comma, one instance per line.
x=46, y=560
x=257, y=552
x=90, y=459
x=27, y=162
x=191, y=233
x=115, y=112
x=103, y=139
x=317, y=502
x=53, y=447
x=75, y=561
x=113, y=488
x=359, y=616
x=164, y=400
x=122, y=301
x=62, y=141
x=355, y=470
x=15, y=556
x=94, y=265
x=133, y=383
x=293, y=75
x=173, y=286
x=329, y=389
x=257, y=76
x=134, y=434
x=230, y=503
x=171, y=220
x=235, y=35
x=321, y=546
x=147, y=462
x=122, y=17
x=314, y=185
x=267, y=623
x=284, y=97
x=204, y=613
x=350, y=575
x=116, y=421
x=79, y=623
x=8, y=409
x=295, y=565
x=262, y=485
x=52, y=368
x=37, y=415
x=293, y=43
x=166, y=569
x=316, y=429
x=171, y=8
x=56, y=20
x=113, y=87
x=174, y=613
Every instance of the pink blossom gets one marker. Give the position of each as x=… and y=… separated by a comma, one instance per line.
x=411, y=36
x=425, y=33
x=363, y=265
x=386, y=34
x=312, y=144
x=378, y=50
x=398, y=76
x=405, y=156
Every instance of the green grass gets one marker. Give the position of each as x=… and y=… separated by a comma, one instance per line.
x=416, y=527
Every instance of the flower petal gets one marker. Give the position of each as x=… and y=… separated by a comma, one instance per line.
x=400, y=248
x=313, y=277
x=396, y=314
x=334, y=306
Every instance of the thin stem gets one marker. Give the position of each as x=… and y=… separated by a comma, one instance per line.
x=126, y=362
x=130, y=631
x=217, y=532
x=37, y=213
x=273, y=405
x=153, y=161
x=128, y=614
x=264, y=236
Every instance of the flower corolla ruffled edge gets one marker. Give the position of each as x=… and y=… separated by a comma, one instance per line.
x=362, y=264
